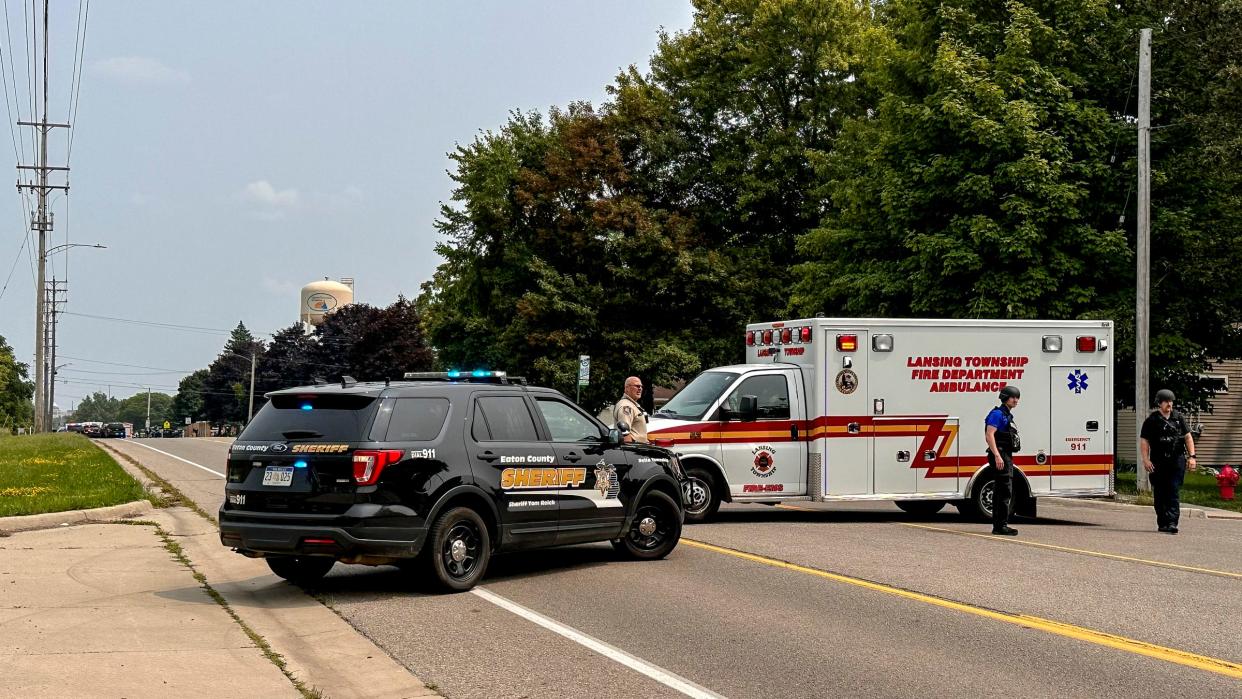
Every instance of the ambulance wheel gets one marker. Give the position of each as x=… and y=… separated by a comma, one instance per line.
x=922, y=508
x=300, y=570
x=458, y=550
x=979, y=506
x=702, y=495
x=655, y=531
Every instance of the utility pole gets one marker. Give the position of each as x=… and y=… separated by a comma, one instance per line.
x=148, y=411
x=250, y=412
x=43, y=224
x=55, y=299
x=1142, y=320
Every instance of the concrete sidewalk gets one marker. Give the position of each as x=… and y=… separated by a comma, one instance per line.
x=105, y=610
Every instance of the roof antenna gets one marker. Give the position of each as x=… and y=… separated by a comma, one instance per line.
x=347, y=381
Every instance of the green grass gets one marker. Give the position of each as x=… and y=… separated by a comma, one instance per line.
x=59, y=472
x=1199, y=489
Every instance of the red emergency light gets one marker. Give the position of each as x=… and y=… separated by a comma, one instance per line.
x=750, y=338
x=847, y=343
x=1086, y=343
x=786, y=336
x=767, y=337
x=806, y=334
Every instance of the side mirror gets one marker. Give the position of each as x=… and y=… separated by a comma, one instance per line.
x=748, y=408
x=618, y=433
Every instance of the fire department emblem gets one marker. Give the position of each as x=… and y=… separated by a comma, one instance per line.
x=765, y=461
x=847, y=381
x=606, y=480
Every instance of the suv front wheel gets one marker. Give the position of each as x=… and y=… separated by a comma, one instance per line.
x=458, y=549
x=655, y=530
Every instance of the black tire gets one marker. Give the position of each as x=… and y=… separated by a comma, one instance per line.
x=922, y=508
x=979, y=506
x=702, y=493
x=458, y=550
x=300, y=570
x=655, y=531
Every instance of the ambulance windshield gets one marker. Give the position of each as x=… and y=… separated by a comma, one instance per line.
x=693, y=401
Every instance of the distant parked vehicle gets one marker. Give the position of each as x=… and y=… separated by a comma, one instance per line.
x=114, y=429
x=93, y=430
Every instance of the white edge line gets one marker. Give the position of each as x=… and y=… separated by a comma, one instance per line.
x=178, y=458
x=664, y=677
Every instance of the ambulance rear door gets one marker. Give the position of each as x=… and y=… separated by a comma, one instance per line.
x=1080, y=455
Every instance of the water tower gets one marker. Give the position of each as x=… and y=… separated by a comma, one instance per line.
x=323, y=297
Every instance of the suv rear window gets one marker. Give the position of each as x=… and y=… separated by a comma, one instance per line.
x=334, y=418
x=417, y=419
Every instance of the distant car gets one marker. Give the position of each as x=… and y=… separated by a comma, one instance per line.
x=172, y=433
x=92, y=430
x=114, y=429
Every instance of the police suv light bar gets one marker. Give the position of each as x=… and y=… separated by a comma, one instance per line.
x=477, y=375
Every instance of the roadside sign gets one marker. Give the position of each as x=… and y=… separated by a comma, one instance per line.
x=167, y=424
x=584, y=369
x=187, y=421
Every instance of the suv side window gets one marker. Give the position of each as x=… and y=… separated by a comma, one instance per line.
x=508, y=419
x=478, y=426
x=417, y=419
x=567, y=424
x=772, y=390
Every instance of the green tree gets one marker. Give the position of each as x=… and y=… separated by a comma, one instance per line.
x=226, y=389
x=16, y=391
x=97, y=407
x=289, y=360
x=134, y=409
x=189, y=399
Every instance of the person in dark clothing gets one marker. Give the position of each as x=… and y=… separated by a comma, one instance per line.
x=1168, y=447
x=1002, y=437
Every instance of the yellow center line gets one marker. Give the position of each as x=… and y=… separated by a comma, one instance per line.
x=1053, y=547
x=1084, y=552
x=1129, y=645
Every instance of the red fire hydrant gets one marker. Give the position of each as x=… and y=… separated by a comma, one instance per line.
x=1227, y=479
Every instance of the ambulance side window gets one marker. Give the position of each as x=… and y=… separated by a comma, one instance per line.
x=772, y=391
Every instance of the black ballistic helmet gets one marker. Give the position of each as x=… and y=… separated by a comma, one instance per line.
x=1009, y=392
x=1162, y=395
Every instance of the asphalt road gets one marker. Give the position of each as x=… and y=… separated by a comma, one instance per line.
x=811, y=601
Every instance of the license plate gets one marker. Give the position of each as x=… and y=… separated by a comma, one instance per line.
x=278, y=475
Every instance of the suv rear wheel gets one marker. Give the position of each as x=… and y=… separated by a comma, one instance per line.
x=458, y=549
x=300, y=570
x=655, y=531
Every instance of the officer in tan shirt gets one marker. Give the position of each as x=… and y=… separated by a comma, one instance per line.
x=628, y=410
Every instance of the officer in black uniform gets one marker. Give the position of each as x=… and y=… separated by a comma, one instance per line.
x=1002, y=437
x=1166, y=441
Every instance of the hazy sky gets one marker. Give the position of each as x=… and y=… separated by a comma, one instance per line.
x=229, y=152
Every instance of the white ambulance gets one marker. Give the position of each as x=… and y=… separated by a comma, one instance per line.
x=866, y=409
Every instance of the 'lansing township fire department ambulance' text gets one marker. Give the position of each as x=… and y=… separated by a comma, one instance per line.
x=849, y=409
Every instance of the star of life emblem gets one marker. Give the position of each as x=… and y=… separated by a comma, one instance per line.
x=1077, y=381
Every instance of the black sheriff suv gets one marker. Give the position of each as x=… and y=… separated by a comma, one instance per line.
x=440, y=471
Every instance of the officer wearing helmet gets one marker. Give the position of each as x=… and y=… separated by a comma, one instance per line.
x=1167, y=447
x=1002, y=438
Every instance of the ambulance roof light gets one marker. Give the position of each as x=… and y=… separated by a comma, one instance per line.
x=1085, y=343
x=750, y=338
x=806, y=334
x=882, y=343
x=767, y=337
x=786, y=336
x=847, y=343
x=1052, y=343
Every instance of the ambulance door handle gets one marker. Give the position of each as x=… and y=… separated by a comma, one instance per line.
x=903, y=456
x=853, y=428
x=793, y=431
x=1093, y=425
x=929, y=455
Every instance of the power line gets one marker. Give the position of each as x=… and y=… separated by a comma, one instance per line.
x=150, y=323
x=127, y=373
x=76, y=92
x=16, y=259
x=133, y=366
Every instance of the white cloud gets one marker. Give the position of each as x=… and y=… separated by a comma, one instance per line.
x=262, y=192
x=140, y=70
